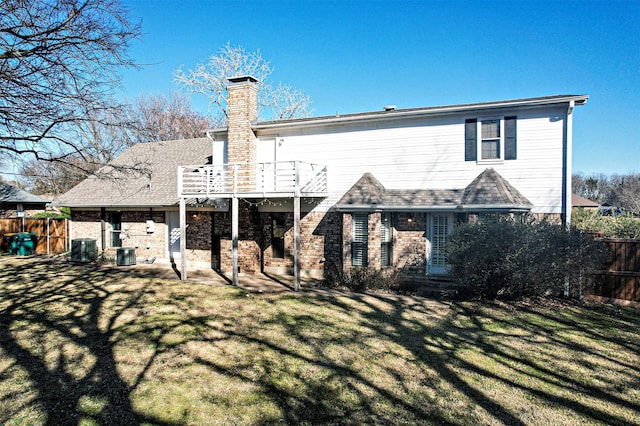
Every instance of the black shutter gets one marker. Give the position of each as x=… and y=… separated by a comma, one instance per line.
x=510, y=143
x=471, y=139
x=360, y=241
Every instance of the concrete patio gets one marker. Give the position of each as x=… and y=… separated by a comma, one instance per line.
x=201, y=272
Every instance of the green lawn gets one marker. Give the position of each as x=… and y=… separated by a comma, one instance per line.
x=80, y=345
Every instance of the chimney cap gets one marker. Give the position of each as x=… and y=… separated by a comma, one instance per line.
x=389, y=107
x=242, y=79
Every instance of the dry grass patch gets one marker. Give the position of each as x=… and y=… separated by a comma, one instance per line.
x=82, y=345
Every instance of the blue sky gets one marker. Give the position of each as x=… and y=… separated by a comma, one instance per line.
x=356, y=56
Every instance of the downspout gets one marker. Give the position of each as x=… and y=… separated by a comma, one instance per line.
x=567, y=169
x=566, y=180
x=103, y=218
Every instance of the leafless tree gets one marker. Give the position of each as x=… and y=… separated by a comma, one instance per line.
x=626, y=191
x=102, y=138
x=594, y=187
x=211, y=80
x=161, y=118
x=619, y=190
x=59, y=63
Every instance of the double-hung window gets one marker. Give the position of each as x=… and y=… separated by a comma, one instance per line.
x=360, y=239
x=490, y=139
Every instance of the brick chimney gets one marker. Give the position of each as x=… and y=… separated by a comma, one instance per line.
x=242, y=111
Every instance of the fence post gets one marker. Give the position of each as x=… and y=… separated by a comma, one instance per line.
x=48, y=236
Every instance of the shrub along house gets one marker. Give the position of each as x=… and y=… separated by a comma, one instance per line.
x=379, y=189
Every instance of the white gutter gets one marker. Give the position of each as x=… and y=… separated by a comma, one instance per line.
x=411, y=112
x=420, y=112
x=427, y=208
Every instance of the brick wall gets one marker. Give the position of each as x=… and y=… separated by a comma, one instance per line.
x=320, y=243
x=241, y=143
x=249, y=241
x=409, y=242
x=86, y=224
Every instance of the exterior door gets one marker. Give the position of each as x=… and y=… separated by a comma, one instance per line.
x=216, y=233
x=438, y=228
x=266, y=172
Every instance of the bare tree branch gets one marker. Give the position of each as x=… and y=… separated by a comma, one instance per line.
x=211, y=81
x=59, y=62
x=161, y=118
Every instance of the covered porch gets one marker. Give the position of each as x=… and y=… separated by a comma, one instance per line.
x=286, y=180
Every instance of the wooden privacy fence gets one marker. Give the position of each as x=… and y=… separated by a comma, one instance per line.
x=621, y=280
x=52, y=234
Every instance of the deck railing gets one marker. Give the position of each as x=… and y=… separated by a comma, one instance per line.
x=284, y=178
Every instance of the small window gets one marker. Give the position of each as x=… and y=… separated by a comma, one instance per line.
x=360, y=239
x=278, y=229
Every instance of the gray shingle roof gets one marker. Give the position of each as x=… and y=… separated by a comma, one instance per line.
x=579, y=201
x=11, y=194
x=145, y=175
x=488, y=190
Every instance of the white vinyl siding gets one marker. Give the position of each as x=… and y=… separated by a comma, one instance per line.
x=429, y=154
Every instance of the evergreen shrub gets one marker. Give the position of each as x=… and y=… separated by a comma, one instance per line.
x=508, y=259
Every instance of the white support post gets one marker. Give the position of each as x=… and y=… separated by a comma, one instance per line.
x=234, y=237
x=183, y=239
x=296, y=230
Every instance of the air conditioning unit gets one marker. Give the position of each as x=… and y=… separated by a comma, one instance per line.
x=84, y=250
x=125, y=256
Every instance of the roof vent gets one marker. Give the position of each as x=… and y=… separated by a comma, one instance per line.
x=389, y=107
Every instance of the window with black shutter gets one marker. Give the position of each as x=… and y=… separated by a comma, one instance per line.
x=490, y=139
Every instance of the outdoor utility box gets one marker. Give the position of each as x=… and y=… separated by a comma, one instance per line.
x=84, y=250
x=23, y=243
x=125, y=256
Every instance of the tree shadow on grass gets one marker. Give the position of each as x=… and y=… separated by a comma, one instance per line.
x=319, y=358
x=440, y=347
x=40, y=300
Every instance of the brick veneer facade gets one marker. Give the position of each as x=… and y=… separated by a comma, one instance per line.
x=86, y=224
x=325, y=239
x=408, y=241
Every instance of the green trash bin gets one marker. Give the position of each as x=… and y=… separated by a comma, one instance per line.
x=26, y=243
